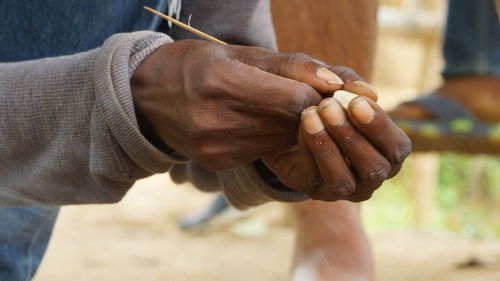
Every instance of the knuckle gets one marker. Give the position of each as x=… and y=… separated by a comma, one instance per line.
x=343, y=189
x=303, y=96
x=403, y=151
x=299, y=57
x=334, y=191
x=327, y=153
x=344, y=69
x=377, y=173
x=346, y=73
x=289, y=59
x=310, y=63
x=400, y=151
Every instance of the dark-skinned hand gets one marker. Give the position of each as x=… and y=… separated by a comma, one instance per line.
x=226, y=106
x=342, y=154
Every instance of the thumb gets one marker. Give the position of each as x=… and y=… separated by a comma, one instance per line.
x=295, y=66
x=300, y=67
x=323, y=78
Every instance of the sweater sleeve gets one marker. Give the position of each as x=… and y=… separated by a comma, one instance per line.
x=244, y=187
x=68, y=131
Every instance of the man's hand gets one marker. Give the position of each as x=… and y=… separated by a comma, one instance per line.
x=225, y=106
x=342, y=155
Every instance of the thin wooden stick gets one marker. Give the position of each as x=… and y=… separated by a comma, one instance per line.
x=186, y=27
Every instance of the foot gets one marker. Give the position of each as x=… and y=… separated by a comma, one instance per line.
x=480, y=94
x=331, y=243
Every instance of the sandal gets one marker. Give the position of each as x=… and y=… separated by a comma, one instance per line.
x=453, y=128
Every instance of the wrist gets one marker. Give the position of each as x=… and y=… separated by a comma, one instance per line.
x=139, y=89
x=144, y=89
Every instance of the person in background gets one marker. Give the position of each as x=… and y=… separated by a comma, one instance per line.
x=462, y=114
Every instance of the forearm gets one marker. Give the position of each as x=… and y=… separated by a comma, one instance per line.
x=68, y=132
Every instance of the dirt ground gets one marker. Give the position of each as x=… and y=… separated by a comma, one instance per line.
x=137, y=239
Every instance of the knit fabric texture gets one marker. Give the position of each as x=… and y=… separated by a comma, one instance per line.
x=68, y=130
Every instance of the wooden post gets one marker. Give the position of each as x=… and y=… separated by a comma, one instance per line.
x=423, y=187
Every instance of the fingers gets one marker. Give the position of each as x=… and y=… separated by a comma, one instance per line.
x=296, y=66
x=322, y=77
x=376, y=126
x=303, y=68
x=370, y=167
x=355, y=83
x=338, y=181
x=300, y=67
x=343, y=156
x=295, y=167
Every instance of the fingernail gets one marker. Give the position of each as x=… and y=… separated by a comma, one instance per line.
x=362, y=110
x=332, y=112
x=311, y=121
x=328, y=76
x=365, y=85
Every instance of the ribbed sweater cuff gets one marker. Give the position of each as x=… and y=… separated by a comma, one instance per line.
x=114, y=97
x=244, y=188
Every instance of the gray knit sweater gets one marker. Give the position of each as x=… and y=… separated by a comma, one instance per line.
x=68, y=131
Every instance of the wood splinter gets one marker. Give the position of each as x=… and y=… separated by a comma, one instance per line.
x=186, y=27
x=344, y=97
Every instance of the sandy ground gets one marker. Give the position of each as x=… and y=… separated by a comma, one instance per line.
x=137, y=239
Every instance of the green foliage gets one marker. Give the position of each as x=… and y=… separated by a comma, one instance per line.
x=468, y=198
x=469, y=195
x=390, y=207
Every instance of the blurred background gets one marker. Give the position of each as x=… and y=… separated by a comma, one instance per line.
x=439, y=219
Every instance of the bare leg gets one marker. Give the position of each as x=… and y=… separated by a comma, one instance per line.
x=331, y=243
